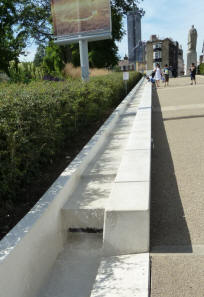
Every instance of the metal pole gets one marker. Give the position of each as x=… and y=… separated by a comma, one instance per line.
x=84, y=59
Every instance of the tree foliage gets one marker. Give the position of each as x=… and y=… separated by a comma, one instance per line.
x=52, y=61
x=12, y=37
x=40, y=53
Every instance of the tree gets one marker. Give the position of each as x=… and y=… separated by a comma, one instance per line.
x=52, y=62
x=36, y=18
x=40, y=53
x=12, y=38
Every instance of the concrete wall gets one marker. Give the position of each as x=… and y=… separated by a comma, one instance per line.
x=127, y=215
x=29, y=250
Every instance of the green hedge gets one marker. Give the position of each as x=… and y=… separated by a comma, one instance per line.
x=37, y=119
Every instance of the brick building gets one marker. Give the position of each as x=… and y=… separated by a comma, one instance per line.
x=164, y=51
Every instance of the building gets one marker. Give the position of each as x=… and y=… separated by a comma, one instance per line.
x=125, y=65
x=180, y=62
x=202, y=56
x=164, y=51
x=136, y=48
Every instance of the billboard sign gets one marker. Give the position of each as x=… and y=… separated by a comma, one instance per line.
x=78, y=19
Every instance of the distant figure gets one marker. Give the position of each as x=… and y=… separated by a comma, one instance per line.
x=166, y=75
x=158, y=75
x=193, y=73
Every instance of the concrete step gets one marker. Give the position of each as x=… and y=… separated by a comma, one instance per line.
x=123, y=276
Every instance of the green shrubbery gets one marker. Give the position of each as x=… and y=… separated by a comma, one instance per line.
x=25, y=72
x=37, y=119
x=201, y=69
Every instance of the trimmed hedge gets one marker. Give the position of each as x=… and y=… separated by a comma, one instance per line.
x=37, y=119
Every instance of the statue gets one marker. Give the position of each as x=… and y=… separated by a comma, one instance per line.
x=191, y=53
x=192, y=39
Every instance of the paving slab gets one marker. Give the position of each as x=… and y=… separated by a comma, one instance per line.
x=123, y=276
x=177, y=208
x=135, y=166
x=177, y=276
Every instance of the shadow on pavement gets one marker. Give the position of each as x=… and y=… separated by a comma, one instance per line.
x=169, y=230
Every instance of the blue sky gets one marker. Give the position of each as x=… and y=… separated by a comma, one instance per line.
x=170, y=18
x=165, y=18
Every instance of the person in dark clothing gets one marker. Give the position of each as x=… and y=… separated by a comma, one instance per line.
x=166, y=75
x=193, y=73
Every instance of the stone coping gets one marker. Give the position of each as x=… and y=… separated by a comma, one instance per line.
x=127, y=214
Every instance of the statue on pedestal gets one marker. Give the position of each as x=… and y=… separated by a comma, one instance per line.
x=192, y=39
x=192, y=43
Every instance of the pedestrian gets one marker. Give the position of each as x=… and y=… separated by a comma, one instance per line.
x=166, y=75
x=158, y=75
x=193, y=73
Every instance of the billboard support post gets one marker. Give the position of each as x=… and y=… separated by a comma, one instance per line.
x=84, y=59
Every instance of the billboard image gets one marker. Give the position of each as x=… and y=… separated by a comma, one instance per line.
x=72, y=17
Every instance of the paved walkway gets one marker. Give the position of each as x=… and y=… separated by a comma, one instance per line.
x=177, y=210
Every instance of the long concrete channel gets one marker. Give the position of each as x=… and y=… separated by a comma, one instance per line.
x=89, y=234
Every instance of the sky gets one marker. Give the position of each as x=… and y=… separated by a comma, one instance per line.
x=165, y=18
x=170, y=18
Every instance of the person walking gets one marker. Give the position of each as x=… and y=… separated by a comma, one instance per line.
x=193, y=73
x=158, y=75
x=166, y=75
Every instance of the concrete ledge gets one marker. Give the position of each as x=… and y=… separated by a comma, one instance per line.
x=123, y=276
x=35, y=242
x=127, y=215
x=127, y=219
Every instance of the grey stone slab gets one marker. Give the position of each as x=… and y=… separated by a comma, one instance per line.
x=135, y=166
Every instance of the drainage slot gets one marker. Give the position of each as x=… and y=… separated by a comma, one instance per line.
x=85, y=230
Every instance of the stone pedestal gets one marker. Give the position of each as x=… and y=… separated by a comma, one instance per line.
x=191, y=58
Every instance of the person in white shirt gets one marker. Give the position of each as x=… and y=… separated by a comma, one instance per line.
x=158, y=75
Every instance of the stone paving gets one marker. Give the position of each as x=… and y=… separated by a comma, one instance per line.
x=177, y=207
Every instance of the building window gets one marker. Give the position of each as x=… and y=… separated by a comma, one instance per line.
x=157, y=55
x=157, y=46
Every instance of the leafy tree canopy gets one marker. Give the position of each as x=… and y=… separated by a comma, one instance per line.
x=12, y=37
